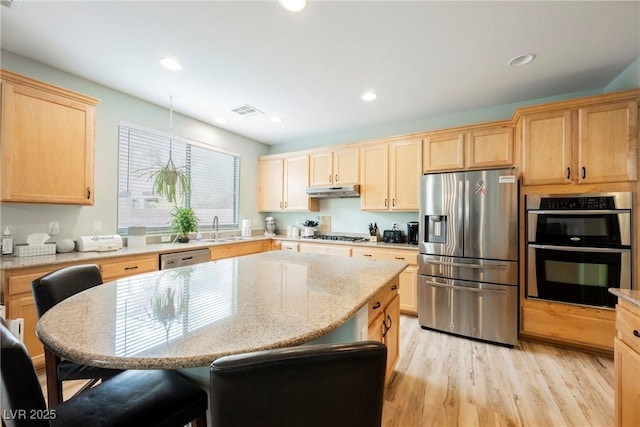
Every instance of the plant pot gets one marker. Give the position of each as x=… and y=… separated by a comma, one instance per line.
x=183, y=239
x=308, y=231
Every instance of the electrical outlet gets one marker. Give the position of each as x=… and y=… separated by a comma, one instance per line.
x=54, y=228
x=97, y=225
x=166, y=238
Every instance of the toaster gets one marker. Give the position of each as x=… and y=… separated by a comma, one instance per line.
x=392, y=236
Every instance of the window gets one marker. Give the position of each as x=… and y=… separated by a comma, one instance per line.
x=215, y=180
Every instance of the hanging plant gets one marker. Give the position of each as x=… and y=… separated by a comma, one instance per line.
x=169, y=181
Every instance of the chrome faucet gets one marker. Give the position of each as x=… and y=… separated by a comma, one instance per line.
x=214, y=228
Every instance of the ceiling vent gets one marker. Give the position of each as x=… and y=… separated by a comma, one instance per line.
x=246, y=110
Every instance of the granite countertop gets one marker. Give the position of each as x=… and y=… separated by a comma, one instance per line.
x=13, y=262
x=365, y=243
x=632, y=296
x=250, y=303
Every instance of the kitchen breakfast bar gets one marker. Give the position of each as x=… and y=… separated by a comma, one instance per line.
x=187, y=317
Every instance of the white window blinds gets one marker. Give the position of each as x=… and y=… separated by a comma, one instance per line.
x=215, y=178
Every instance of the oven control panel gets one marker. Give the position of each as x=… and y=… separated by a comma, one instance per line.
x=572, y=203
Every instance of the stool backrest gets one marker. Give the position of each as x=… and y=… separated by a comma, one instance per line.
x=22, y=398
x=59, y=285
x=308, y=385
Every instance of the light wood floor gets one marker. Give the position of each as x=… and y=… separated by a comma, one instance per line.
x=441, y=380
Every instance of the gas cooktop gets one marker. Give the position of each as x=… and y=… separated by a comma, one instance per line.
x=332, y=237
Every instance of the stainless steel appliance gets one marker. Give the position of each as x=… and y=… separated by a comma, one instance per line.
x=180, y=259
x=469, y=254
x=578, y=246
x=412, y=232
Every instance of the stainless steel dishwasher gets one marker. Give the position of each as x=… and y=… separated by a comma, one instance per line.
x=179, y=259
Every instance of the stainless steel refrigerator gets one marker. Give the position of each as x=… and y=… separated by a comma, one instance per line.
x=468, y=282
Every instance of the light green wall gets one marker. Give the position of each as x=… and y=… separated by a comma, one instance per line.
x=115, y=107
x=628, y=79
x=23, y=219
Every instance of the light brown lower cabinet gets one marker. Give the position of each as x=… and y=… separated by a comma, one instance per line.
x=408, y=278
x=18, y=298
x=128, y=266
x=384, y=323
x=627, y=364
x=235, y=249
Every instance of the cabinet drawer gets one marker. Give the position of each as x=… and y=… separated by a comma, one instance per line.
x=235, y=249
x=385, y=254
x=21, y=283
x=628, y=326
x=128, y=267
x=382, y=299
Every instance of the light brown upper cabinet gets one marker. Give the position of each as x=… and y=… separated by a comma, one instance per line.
x=48, y=137
x=390, y=175
x=471, y=147
x=282, y=184
x=335, y=168
x=582, y=144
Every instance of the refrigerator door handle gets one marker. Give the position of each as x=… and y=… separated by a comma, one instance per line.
x=437, y=285
x=476, y=266
x=465, y=288
x=463, y=213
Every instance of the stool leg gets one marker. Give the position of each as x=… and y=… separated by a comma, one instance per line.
x=201, y=421
x=54, y=387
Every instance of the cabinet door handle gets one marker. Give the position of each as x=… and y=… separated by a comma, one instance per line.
x=393, y=202
x=336, y=177
x=584, y=172
x=394, y=287
x=399, y=257
x=367, y=255
x=384, y=329
x=568, y=173
x=376, y=305
x=88, y=193
x=135, y=267
x=385, y=202
x=636, y=333
x=286, y=205
x=390, y=323
x=280, y=205
x=330, y=177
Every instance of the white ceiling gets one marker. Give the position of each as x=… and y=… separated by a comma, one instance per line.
x=422, y=58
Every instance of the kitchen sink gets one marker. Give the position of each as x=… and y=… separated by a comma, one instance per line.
x=226, y=239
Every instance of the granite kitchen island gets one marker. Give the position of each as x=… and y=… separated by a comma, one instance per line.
x=189, y=316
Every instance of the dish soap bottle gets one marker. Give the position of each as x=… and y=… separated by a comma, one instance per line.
x=7, y=242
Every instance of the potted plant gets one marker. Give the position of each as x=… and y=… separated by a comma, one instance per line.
x=309, y=227
x=184, y=222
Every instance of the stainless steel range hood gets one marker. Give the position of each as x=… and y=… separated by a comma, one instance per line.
x=334, y=192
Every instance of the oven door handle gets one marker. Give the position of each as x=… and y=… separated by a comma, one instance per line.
x=578, y=248
x=465, y=288
x=580, y=212
x=476, y=266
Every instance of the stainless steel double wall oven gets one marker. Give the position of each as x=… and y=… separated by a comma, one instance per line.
x=578, y=246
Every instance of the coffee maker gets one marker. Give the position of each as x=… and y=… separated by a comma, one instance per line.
x=412, y=233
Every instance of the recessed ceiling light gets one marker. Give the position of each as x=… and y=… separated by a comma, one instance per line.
x=275, y=119
x=171, y=64
x=220, y=120
x=293, y=5
x=521, y=60
x=369, y=96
